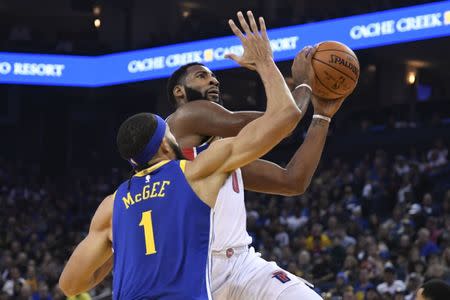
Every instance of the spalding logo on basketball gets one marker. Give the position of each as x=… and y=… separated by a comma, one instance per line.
x=337, y=70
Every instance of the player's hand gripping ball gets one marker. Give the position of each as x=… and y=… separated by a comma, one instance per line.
x=337, y=70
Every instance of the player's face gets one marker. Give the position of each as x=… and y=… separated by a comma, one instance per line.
x=201, y=84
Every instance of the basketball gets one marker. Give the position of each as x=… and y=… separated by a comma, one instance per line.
x=337, y=70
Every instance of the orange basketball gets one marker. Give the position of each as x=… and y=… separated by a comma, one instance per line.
x=337, y=70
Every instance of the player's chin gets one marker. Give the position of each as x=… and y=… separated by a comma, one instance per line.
x=214, y=98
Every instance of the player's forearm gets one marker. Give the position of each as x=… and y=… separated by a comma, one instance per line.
x=277, y=92
x=280, y=118
x=74, y=285
x=79, y=284
x=89, y=261
x=303, y=164
x=102, y=272
x=262, y=134
x=263, y=176
x=266, y=177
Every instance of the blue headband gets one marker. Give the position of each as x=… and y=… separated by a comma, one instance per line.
x=153, y=145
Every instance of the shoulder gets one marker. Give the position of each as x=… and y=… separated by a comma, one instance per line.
x=103, y=215
x=124, y=183
x=107, y=204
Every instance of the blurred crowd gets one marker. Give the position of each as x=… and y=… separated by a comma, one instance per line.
x=370, y=228
x=41, y=220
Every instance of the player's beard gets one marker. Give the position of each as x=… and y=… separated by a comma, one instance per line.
x=192, y=95
x=176, y=149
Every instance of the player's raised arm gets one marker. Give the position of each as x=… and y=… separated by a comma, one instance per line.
x=206, y=118
x=262, y=134
x=266, y=177
x=201, y=113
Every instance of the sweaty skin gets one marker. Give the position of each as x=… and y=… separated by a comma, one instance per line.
x=195, y=121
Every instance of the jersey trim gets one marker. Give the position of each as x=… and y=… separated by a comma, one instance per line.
x=190, y=153
x=152, y=168
x=183, y=165
x=208, y=141
x=112, y=216
x=209, y=261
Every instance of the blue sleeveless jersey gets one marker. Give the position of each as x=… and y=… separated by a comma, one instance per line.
x=161, y=237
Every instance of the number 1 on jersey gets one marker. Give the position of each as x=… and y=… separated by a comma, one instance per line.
x=147, y=223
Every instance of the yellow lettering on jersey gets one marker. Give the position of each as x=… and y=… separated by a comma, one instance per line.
x=161, y=192
x=128, y=200
x=138, y=198
x=147, y=223
x=157, y=191
x=154, y=193
x=146, y=192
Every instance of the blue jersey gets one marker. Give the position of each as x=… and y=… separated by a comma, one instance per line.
x=161, y=237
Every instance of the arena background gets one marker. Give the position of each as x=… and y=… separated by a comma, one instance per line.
x=378, y=206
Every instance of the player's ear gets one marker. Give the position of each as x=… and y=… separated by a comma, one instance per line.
x=179, y=93
x=166, y=149
x=165, y=146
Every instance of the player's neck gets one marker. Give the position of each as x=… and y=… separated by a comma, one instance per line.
x=159, y=159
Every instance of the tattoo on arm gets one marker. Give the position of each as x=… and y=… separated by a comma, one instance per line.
x=302, y=96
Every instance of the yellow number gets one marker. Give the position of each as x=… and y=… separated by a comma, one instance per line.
x=146, y=221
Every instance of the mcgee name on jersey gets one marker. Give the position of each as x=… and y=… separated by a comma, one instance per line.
x=157, y=191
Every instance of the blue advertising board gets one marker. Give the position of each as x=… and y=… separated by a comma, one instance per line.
x=358, y=32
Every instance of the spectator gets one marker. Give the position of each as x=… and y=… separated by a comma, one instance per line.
x=317, y=242
x=341, y=283
x=413, y=282
x=438, y=154
x=427, y=205
x=14, y=283
x=349, y=293
x=399, y=294
x=372, y=294
x=401, y=167
x=391, y=284
x=363, y=284
x=424, y=243
x=42, y=293
x=304, y=265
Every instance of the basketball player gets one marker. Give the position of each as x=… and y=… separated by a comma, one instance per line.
x=237, y=271
x=158, y=225
x=434, y=289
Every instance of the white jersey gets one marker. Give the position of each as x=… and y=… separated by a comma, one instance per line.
x=238, y=273
x=230, y=216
